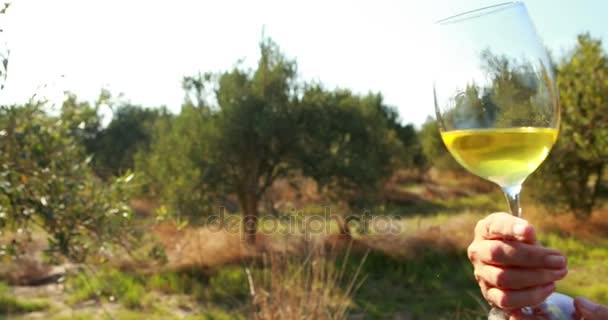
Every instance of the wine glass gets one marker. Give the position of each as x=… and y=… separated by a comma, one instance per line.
x=497, y=106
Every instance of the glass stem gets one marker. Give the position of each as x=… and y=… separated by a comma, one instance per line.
x=512, y=195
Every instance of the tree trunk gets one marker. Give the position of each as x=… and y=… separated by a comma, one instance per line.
x=580, y=194
x=249, y=205
x=588, y=191
x=594, y=190
x=599, y=171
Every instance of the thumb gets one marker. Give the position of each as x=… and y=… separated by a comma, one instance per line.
x=590, y=310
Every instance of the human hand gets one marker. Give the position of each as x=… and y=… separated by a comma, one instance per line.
x=512, y=270
x=588, y=310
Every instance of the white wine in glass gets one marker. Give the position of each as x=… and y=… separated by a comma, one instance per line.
x=497, y=108
x=503, y=156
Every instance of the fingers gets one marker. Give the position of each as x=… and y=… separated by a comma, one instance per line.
x=512, y=270
x=515, y=254
x=503, y=226
x=516, y=299
x=589, y=310
x=517, y=278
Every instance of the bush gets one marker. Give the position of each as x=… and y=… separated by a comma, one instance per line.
x=46, y=179
x=174, y=167
x=130, y=130
x=434, y=150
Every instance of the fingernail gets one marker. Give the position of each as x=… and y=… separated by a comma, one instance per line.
x=555, y=261
x=519, y=229
x=586, y=305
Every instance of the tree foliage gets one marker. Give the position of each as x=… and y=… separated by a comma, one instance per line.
x=574, y=172
x=349, y=142
x=241, y=130
x=114, y=147
x=46, y=180
x=174, y=167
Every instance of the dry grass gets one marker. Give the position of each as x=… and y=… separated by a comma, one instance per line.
x=199, y=246
x=449, y=234
x=567, y=225
x=302, y=287
x=459, y=180
x=285, y=194
x=202, y=247
x=24, y=270
x=407, y=187
x=27, y=267
x=206, y=248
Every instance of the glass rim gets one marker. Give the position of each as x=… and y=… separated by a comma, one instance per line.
x=476, y=13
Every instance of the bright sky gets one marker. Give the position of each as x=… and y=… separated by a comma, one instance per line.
x=144, y=48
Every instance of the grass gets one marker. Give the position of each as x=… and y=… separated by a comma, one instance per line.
x=317, y=285
x=110, y=284
x=588, y=271
x=10, y=304
x=215, y=314
x=281, y=286
x=435, y=285
x=419, y=273
x=489, y=202
x=226, y=288
x=74, y=316
x=432, y=286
